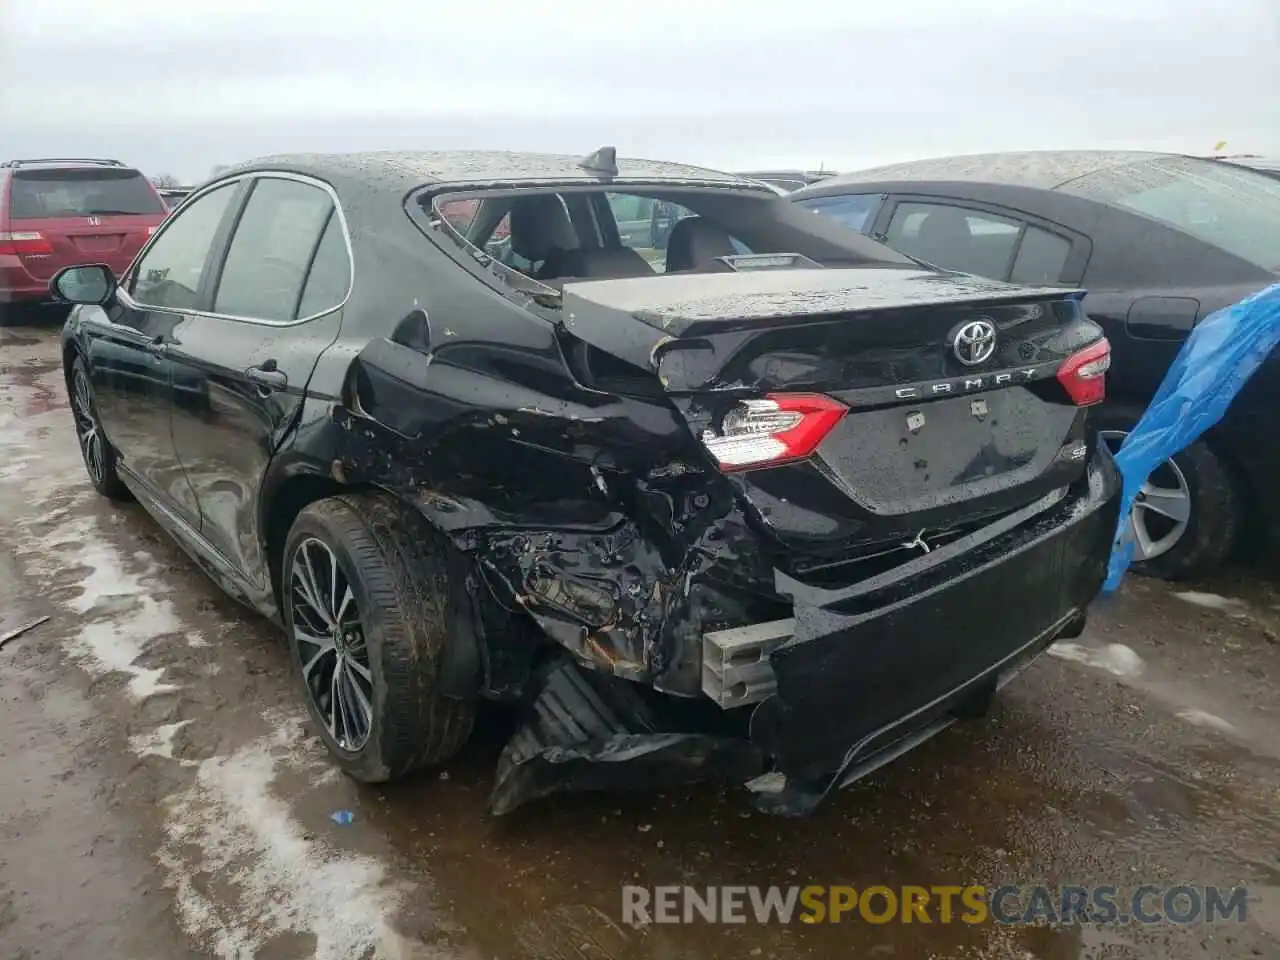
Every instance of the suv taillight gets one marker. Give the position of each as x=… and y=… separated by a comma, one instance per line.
x=1084, y=373
x=25, y=243
x=780, y=428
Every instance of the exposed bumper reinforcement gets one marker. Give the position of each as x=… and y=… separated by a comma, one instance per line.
x=841, y=688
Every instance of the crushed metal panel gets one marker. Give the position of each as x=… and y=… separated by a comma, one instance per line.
x=587, y=731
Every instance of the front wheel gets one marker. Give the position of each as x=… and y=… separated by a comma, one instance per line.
x=365, y=603
x=1187, y=517
x=98, y=455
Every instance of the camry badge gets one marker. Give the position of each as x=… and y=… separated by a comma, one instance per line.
x=975, y=342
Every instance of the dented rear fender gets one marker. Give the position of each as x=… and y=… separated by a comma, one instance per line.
x=589, y=515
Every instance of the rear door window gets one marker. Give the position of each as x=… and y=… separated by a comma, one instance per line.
x=857, y=211
x=271, y=250
x=1042, y=256
x=955, y=238
x=47, y=194
x=330, y=273
x=170, y=272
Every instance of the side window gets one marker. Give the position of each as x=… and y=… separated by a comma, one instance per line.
x=954, y=238
x=330, y=274
x=644, y=224
x=855, y=211
x=459, y=213
x=498, y=244
x=169, y=274
x=271, y=249
x=1041, y=258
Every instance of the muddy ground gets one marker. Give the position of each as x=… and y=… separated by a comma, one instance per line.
x=161, y=794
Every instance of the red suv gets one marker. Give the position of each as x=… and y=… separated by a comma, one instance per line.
x=58, y=213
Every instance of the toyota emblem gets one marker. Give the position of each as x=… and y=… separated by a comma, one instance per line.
x=975, y=342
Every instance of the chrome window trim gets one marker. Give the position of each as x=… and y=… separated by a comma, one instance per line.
x=125, y=298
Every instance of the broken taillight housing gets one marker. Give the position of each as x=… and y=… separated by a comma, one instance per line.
x=1084, y=373
x=780, y=428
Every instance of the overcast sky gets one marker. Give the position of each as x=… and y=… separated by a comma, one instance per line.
x=177, y=86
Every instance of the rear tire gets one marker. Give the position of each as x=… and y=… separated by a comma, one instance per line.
x=392, y=647
x=96, y=451
x=1215, y=518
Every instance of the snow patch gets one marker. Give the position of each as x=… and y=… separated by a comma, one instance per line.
x=1115, y=658
x=272, y=879
x=159, y=742
x=124, y=612
x=1199, y=718
x=1213, y=601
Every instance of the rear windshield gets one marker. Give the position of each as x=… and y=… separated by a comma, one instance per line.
x=1233, y=209
x=550, y=235
x=81, y=193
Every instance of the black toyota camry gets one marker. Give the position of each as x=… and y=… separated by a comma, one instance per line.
x=772, y=503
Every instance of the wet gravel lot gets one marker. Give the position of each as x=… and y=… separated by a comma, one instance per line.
x=163, y=796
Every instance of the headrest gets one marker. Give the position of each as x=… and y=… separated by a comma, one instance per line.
x=695, y=242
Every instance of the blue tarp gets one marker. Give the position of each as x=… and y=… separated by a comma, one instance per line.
x=1221, y=353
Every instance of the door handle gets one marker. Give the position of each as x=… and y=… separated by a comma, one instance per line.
x=267, y=377
x=158, y=346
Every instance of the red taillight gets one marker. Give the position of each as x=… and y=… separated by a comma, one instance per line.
x=25, y=243
x=1084, y=373
x=777, y=429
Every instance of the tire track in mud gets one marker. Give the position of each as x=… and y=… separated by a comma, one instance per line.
x=209, y=716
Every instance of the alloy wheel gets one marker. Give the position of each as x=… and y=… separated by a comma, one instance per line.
x=1162, y=508
x=331, y=644
x=88, y=432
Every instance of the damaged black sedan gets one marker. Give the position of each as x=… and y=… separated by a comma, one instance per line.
x=767, y=502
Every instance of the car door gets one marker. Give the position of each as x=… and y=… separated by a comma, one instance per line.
x=127, y=347
x=274, y=308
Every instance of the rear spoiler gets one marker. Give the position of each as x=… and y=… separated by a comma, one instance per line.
x=13, y=164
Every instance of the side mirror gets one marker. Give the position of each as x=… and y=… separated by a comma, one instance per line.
x=94, y=284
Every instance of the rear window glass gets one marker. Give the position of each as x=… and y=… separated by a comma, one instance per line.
x=551, y=236
x=35, y=194
x=1233, y=209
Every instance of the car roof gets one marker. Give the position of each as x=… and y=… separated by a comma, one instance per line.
x=407, y=170
x=1038, y=169
x=785, y=174
x=1252, y=162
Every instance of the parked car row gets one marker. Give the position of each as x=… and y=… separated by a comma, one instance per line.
x=173, y=196
x=706, y=483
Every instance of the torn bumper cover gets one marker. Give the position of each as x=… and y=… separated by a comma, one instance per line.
x=867, y=672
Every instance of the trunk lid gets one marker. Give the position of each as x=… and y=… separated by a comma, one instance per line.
x=937, y=435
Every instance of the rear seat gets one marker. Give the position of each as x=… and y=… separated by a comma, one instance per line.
x=586, y=263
